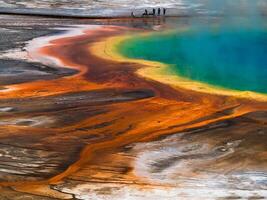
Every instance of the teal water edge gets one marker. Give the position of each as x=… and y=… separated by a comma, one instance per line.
x=231, y=58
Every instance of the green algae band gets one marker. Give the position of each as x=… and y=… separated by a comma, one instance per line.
x=233, y=59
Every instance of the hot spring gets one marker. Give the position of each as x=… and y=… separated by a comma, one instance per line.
x=227, y=56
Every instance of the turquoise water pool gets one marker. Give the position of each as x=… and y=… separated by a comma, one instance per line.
x=233, y=58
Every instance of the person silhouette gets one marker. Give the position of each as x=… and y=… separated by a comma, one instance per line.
x=164, y=11
x=145, y=13
x=154, y=11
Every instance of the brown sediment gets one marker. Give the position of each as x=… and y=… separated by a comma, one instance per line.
x=117, y=108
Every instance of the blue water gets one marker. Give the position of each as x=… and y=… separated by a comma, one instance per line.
x=233, y=58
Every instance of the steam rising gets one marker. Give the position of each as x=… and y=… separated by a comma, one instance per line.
x=120, y=7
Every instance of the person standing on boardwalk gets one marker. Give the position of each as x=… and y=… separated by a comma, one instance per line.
x=158, y=11
x=145, y=13
x=164, y=11
x=154, y=11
